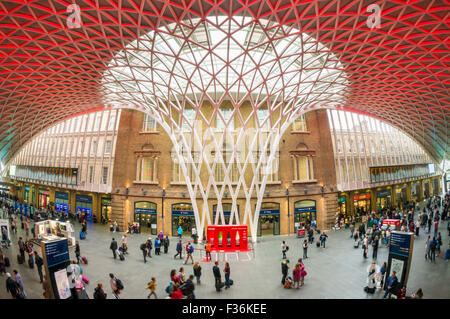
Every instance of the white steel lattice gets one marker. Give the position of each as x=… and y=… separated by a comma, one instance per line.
x=182, y=70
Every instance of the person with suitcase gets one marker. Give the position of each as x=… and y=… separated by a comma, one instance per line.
x=22, y=248
x=77, y=251
x=217, y=277
x=227, y=272
x=39, y=263
x=113, y=247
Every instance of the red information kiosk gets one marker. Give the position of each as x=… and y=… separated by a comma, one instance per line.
x=227, y=237
x=392, y=222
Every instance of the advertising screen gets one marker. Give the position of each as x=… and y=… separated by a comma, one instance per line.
x=57, y=252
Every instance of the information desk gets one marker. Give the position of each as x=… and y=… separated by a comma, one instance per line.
x=52, y=228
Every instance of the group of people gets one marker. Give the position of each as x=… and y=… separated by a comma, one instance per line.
x=298, y=274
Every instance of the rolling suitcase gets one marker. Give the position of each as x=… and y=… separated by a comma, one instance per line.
x=82, y=235
x=84, y=260
x=318, y=244
x=219, y=285
x=19, y=259
x=121, y=256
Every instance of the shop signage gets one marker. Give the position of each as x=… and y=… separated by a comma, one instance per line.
x=305, y=209
x=342, y=199
x=46, y=174
x=57, y=252
x=269, y=212
x=182, y=213
x=225, y=213
x=145, y=211
x=62, y=195
x=44, y=192
x=384, y=193
x=361, y=197
x=106, y=201
x=83, y=198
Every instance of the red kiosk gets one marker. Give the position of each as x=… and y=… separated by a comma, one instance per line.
x=230, y=238
x=392, y=222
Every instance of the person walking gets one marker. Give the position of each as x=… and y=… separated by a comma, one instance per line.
x=157, y=246
x=149, y=247
x=284, y=270
x=152, y=286
x=166, y=244
x=18, y=280
x=208, y=251
x=180, y=232
x=302, y=272
x=189, y=252
x=323, y=239
x=438, y=244
x=179, y=250
x=12, y=287
x=305, y=249
x=391, y=285
x=77, y=251
x=227, y=272
x=433, y=245
x=427, y=248
x=113, y=247
x=123, y=243
x=98, y=292
x=296, y=276
x=217, y=276
x=27, y=226
x=188, y=288
x=382, y=274
x=375, y=248
x=352, y=229
x=283, y=249
x=22, y=248
x=144, y=251
x=39, y=263
x=115, y=286
x=182, y=275
x=197, y=271
x=365, y=246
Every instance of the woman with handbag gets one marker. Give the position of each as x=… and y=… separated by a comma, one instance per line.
x=303, y=272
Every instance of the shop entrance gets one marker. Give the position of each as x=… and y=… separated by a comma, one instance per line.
x=383, y=199
x=361, y=204
x=183, y=215
x=426, y=189
x=436, y=190
x=106, y=210
x=83, y=204
x=62, y=202
x=304, y=213
x=415, y=192
x=44, y=198
x=226, y=214
x=269, y=219
x=400, y=196
x=145, y=215
x=342, y=205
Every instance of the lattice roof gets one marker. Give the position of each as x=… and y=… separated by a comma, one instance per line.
x=398, y=72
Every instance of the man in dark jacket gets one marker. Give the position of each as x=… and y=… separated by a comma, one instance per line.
x=179, y=249
x=149, y=247
x=166, y=244
x=113, y=247
x=21, y=245
x=188, y=288
x=39, y=262
x=391, y=285
x=284, y=270
x=217, y=275
x=98, y=292
x=12, y=287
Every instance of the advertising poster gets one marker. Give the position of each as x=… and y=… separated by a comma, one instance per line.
x=397, y=266
x=62, y=284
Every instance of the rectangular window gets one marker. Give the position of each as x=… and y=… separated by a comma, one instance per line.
x=147, y=174
x=226, y=113
x=112, y=121
x=108, y=147
x=299, y=124
x=94, y=147
x=91, y=174
x=302, y=168
x=188, y=119
x=105, y=175
x=149, y=124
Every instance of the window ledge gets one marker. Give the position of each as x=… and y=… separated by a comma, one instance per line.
x=144, y=182
x=301, y=132
x=149, y=132
x=305, y=181
x=271, y=183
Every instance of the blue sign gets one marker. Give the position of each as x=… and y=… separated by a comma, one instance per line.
x=182, y=213
x=225, y=213
x=305, y=209
x=83, y=198
x=87, y=211
x=145, y=211
x=384, y=193
x=62, y=195
x=400, y=244
x=269, y=212
x=57, y=252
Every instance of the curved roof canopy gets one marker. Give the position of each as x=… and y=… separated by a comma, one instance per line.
x=51, y=68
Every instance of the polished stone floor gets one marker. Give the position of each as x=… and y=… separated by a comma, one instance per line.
x=337, y=271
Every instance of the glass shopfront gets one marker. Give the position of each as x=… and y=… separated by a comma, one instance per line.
x=342, y=205
x=26, y=196
x=62, y=201
x=145, y=215
x=83, y=203
x=436, y=188
x=383, y=199
x=106, y=209
x=44, y=198
x=361, y=204
x=269, y=219
x=304, y=212
x=226, y=214
x=183, y=215
x=401, y=196
x=415, y=192
x=426, y=189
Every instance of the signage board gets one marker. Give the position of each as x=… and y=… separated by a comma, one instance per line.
x=62, y=284
x=305, y=209
x=269, y=212
x=145, y=211
x=57, y=252
x=182, y=213
x=400, y=244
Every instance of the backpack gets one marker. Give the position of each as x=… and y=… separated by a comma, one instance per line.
x=143, y=246
x=119, y=284
x=191, y=249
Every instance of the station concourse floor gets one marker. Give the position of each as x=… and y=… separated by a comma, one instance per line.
x=338, y=271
